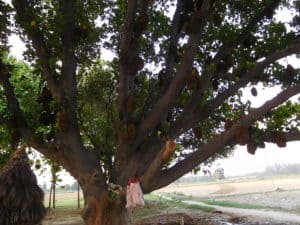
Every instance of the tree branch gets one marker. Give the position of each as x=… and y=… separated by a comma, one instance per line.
x=223, y=52
x=68, y=83
x=126, y=40
x=68, y=80
x=130, y=62
x=218, y=143
x=87, y=159
x=190, y=117
x=293, y=48
x=172, y=51
x=178, y=82
x=12, y=102
x=289, y=136
x=26, y=18
x=253, y=23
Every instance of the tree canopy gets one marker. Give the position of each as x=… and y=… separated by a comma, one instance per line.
x=109, y=85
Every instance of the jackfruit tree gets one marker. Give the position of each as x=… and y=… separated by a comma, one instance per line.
x=118, y=89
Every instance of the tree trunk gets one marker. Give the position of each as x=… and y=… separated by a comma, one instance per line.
x=50, y=197
x=53, y=192
x=78, y=196
x=106, y=210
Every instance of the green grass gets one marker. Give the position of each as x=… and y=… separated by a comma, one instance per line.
x=153, y=197
x=179, y=196
x=233, y=204
x=200, y=207
x=182, y=197
x=67, y=203
x=155, y=204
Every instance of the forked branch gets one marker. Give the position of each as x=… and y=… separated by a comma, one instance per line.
x=218, y=143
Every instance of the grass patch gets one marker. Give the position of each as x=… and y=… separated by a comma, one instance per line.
x=153, y=197
x=66, y=203
x=233, y=204
x=140, y=212
x=156, y=204
x=179, y=196
x=200, y=207
x=182, y=197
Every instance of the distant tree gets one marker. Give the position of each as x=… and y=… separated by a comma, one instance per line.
x=219, y=174
x=44, y=187
x=74, y=186
x=282, y=169
x=173, y=80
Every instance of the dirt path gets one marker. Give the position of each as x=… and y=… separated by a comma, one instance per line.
x=254, y=214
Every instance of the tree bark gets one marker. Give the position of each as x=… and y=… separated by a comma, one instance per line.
x=106, y=210
x=50, y=198
x=78, y=196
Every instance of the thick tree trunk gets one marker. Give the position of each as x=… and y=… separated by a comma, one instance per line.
x=106, y=210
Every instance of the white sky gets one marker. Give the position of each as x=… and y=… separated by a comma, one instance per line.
x=241, y=162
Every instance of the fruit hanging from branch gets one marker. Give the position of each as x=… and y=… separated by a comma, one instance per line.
x=280, y=139
x=242, y=134
x=168, y=150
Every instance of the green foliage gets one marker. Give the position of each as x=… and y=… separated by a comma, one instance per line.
x=97, y=96
x=47, y=17
x=4, y=156
x=99, y=26
x=284, y=118
x=5, y=28
x=25, y=88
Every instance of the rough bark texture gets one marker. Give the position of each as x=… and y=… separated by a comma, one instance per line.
x=106, y=210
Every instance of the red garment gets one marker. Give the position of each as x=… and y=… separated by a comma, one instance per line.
x=133, y=180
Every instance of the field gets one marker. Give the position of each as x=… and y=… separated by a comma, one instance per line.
x=66, y=211
x=242, y=198
x=235, y=186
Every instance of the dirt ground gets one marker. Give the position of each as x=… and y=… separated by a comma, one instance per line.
x=280, y=199
x=70, y=217
x=193, y=218
x=280, y=193
x=235, y=187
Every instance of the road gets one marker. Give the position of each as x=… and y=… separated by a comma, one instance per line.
x=255, y=214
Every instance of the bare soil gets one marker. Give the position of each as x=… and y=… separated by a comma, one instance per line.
x=63, y=217
x=235, y=187
x=194, y=217
x=280, y=194
x=277, y=193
